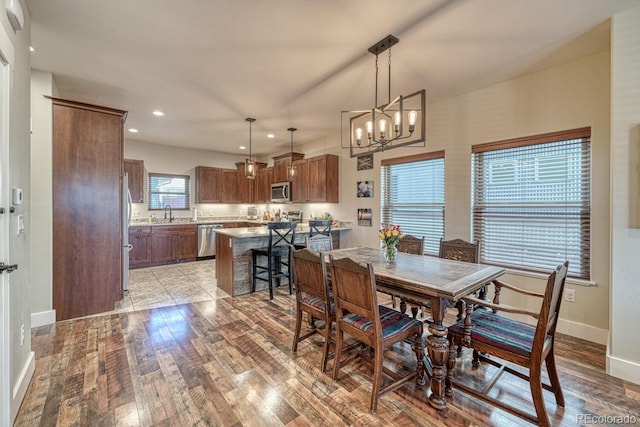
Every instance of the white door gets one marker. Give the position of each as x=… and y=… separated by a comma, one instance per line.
x=4, y=243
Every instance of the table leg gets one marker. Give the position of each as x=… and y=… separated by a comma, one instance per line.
x=438, y=346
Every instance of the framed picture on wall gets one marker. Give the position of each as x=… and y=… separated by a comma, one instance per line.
x=364, y=217
x=365, y=162
x=365, y=189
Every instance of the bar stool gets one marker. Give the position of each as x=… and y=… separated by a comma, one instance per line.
x=281, y=236
x=320, y=226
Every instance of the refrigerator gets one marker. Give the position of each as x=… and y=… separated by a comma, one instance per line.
x=126, y=220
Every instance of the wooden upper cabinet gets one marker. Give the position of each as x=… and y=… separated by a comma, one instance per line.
x=135, y=170
x=281, y=165
x=208, y=184
x=323, y=179
x=245, y=186
x=300, y=181
x=264, y=178
x=229, y=185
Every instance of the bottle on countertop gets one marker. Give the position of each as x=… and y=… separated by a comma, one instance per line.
x=195, y=214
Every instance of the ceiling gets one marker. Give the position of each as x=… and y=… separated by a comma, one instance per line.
x=209, y=64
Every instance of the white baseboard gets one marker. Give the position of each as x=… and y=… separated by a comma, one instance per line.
x=585, y=332
x=623, y=369
x=20, y=387
x=574, y=329
x=43, y=318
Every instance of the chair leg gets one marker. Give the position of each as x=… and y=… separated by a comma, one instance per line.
x=377, y=381
x=278, y=270
x=327, y=344
x=535, y=382
x=296, y=333
x=289, y=273
x=338, y=356
x=270, y=276
x=553, y=377
x=254, y=259
x=476, y=359
x=451, y=365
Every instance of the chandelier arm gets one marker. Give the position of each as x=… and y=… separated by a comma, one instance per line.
x=389, y=94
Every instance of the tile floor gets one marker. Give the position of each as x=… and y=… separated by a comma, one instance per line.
x=173, y=284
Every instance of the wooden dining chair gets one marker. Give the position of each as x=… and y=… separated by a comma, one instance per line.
x=359, y=315
x=411, y=245
x=312, y=297
x=491, y=334
x=281, y=236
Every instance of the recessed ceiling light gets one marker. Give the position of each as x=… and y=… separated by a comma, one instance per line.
x=270, y=136
x=133, y=130
x=242, y=147
x=157, y=113
x=32, y=49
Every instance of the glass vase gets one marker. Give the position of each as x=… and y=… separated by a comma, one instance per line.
x=390, y=252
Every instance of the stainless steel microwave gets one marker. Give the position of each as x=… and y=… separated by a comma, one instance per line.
x=281, y=192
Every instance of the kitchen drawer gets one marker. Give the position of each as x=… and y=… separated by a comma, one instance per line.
x=161, y=229
x=136, y=229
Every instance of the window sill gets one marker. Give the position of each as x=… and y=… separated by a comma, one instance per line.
x=570, y=280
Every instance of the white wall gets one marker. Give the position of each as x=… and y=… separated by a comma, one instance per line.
x=21, y=358
x=624, y=349
x=42, y=85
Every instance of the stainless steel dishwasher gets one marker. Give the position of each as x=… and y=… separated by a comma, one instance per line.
x=207, y=240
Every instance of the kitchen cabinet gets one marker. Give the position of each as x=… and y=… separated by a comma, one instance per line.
x=87, y=147
x=300, y=181
x=140, y=241
x=229, y=186
x=282, y=164
x=264, y=178
x=173, y=243
x=208, y=184
x=246, y=188
x=316, y=179
x=135, y=170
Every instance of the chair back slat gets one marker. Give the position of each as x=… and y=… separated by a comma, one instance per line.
x=319, y=243
x=282, y=233
x=354, y=288
x=317, y=226
x=549, y=311
x=309, y=274
x=411, y=244
x=459, y=250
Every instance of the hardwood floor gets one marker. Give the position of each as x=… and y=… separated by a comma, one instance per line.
x=228, y=361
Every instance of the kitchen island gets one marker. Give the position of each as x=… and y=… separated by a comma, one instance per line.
x=233, y=255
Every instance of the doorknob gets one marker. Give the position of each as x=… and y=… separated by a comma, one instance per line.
x=8, y=268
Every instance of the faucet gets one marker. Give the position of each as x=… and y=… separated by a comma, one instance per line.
x=165, y=213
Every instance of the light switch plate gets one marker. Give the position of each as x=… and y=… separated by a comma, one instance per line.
x=20, y=227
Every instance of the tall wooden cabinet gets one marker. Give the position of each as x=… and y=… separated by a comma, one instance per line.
x=135, y=171
x=87, y=203
x=316, y=179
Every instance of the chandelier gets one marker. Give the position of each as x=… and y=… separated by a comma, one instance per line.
x=399, y=122
x=249, y=164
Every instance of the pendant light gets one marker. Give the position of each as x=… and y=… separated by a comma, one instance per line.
x=292, y=171
x=249, y=164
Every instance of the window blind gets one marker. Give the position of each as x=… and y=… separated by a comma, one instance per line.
x=165, y=189
x=412, y=196
x=531, y=203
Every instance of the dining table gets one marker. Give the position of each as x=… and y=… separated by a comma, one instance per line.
x=429, y=281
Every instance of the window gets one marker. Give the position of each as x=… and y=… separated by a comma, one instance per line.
x=165, y=189
x=412, y=196
x=531, y=201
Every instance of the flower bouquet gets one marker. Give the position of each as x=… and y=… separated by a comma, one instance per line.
x=390, y=235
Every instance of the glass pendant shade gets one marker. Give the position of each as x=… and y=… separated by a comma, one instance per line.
x=249, y=164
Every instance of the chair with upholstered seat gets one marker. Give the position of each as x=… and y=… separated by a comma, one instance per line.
x=318, y=243
x=489, y=333
x=281, y=236
x=411, y=245
x=359, y=315
x=313, y=298
x=320, y=226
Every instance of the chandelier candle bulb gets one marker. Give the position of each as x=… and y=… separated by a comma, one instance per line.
x=359, y=136
x=383, y=128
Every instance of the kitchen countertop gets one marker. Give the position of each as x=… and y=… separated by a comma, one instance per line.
x=188, y=221
x=249, y=232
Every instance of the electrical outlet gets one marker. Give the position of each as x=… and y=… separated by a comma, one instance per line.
x=22, y=334
x=570, y=295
